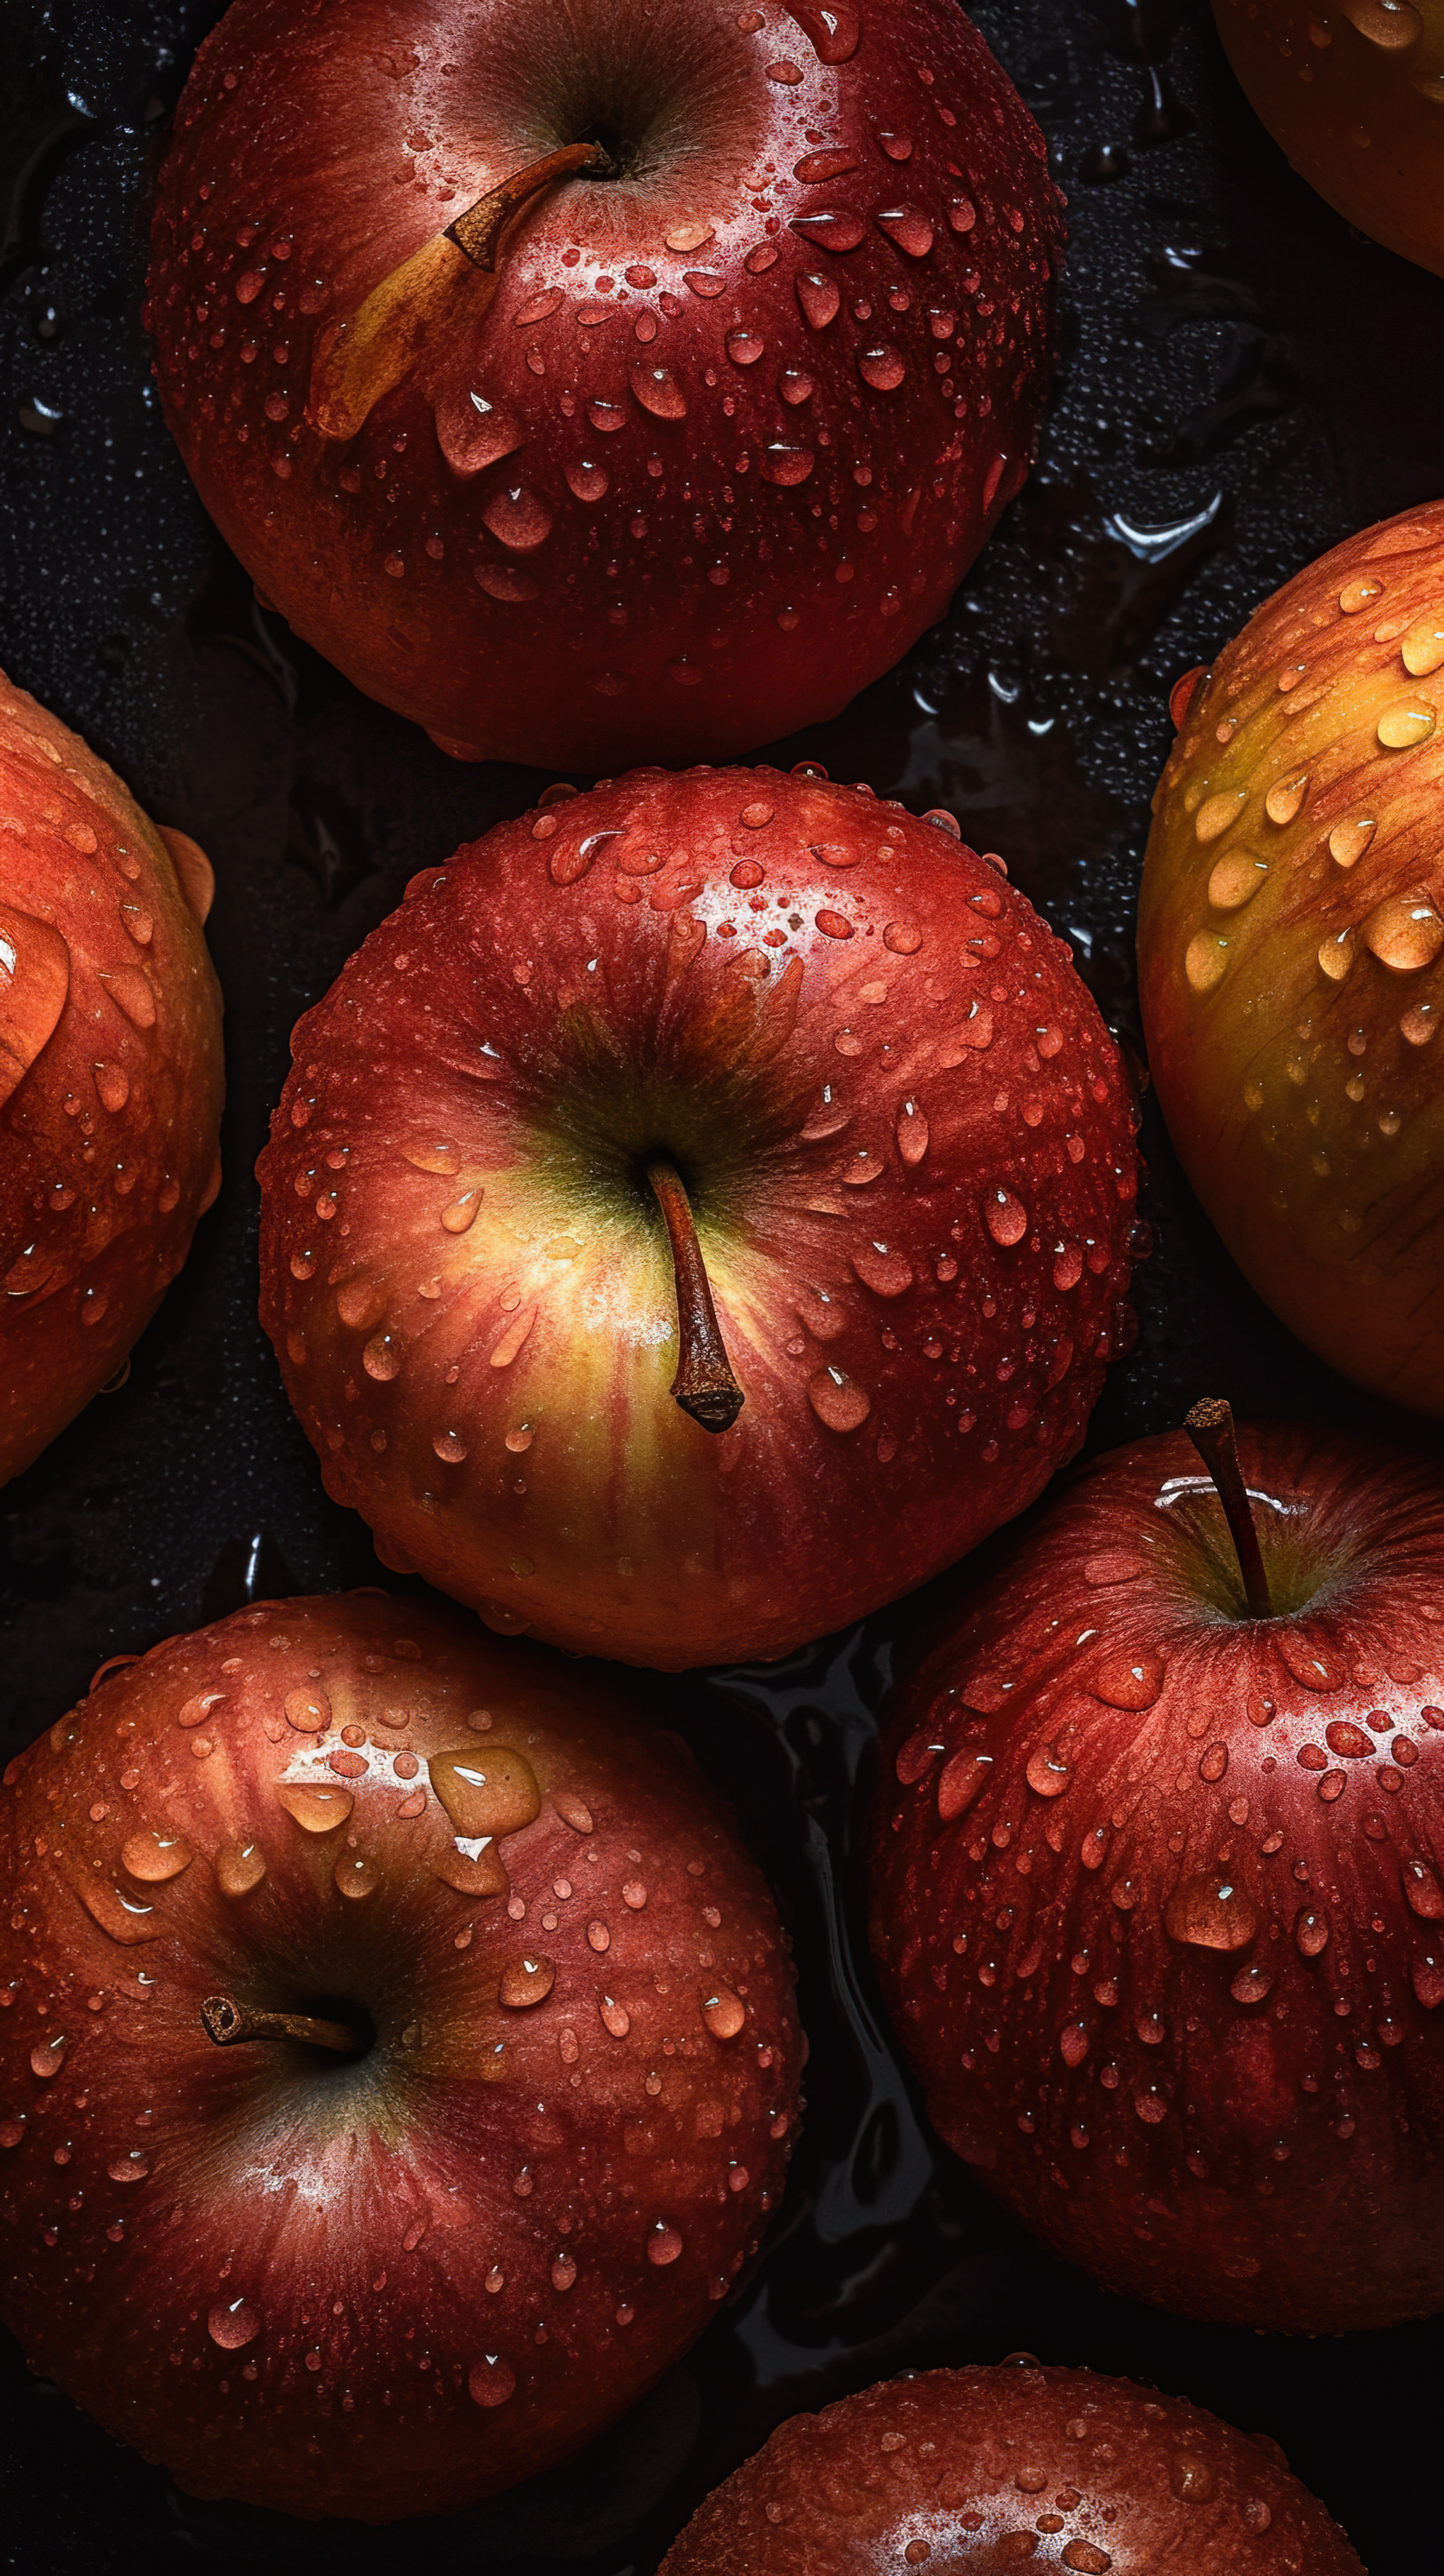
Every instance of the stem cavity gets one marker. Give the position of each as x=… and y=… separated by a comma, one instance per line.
x=450, y=280
x=228, y=2022
x=1210, y=1427
x=704, y=1385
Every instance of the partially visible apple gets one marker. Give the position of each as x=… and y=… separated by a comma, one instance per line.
x=625, y=383
x=1158, y=1881
x=832, y=1037
x=110, y=1071
x=509, y=2074
x=1355, y=94
x=987, y=2469
x=1291, y=952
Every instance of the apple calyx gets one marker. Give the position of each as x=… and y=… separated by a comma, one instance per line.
x=227, y=2022
x=361, y=356
x=1209, y=1425
x=704, y=1385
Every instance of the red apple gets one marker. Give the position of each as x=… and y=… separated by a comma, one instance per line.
x=906, y=1140
x=650, y=459
x=1158, y=1883
x=529, y=2088
x=992, y=2469
x=1355, y=95
x=1290, y=939
x=110, y=1071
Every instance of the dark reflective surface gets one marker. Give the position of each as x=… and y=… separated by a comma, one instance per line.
x=1243, y=381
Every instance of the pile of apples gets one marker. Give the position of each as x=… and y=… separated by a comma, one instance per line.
x=700, y=1214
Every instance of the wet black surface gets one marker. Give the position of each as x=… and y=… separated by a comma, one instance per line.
x=1244, y=380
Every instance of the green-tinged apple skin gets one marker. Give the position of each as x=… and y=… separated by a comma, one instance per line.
x=111, y=1075
x=1291, y=953
x=964, y=2469
x=736, y=417
x=1355, y=96
x=387, y=2284
x=908, y=1143
x=1158, y=1889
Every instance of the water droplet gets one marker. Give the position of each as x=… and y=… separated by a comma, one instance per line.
x=589, y=481
x=886, y=1273
x=518, y=518
x=1422, y=648
x=724, y=2013
x=130, y=2168
x=316, y=1811
x=1336, y=954
x=960, y=1781
x=490, y=2381
x=573, y=1811
x=664, y=2244
x=473, y=1867
x=48, y=2056
x=1217, y=812
x=460, y=1216
x=1411, y=721
x=1211, y=1912
x=1252, y=1984
x=1392, y=25
x=1067, y=1266
x=1131, y=1681
x=1048, y=1775
x=12, y=2130
x=240, y=1866
x=1073, y=2043
x=1191, y=2480
x=233, y=2323
x=784, y=465
x=820, y=299
x=1204, y=960
x=658, y=392
x=882, y=366
x=526, y=1981
x=1357, y=595
x=1311, y=1931
x=492, y=1792
x=837, y=1401
x=153, y=1857
x=355, y=1876
x=1422, y=1890
x=112, y=1083
x=909, y=227
x=1005, y=1217
x=1405, y=932
x=833, y=28
x=1286, y=796
x=744, y=348
x=615, y=2017
x=912, y=1133
x=1350, y=839
x=473, y=433
x=381, y=1359
x=1236, y=880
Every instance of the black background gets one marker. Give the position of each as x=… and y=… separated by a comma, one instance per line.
x=1243, y=381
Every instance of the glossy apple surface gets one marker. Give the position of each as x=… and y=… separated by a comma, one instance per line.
x=987, y=2469
x=394, y=2281
x=111, y=1075
x=717, y=436
x=1291, y=953
x=1354, y=92
x=1157, y=1897
x=907, y=1141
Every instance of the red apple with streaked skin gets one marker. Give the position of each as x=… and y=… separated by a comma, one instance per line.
x=1158, y=1884
x=969, y=2468
x=1355, y=95
x=527, y=2095
x=111, y=1076
x=903, y=1135
x=659, y=458
x=1291, y=952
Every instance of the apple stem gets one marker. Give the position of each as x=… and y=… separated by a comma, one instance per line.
x=478, y=231
x=704, y=1385
x=423, y=304
x=227, y=2022
x=1210, y=1427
